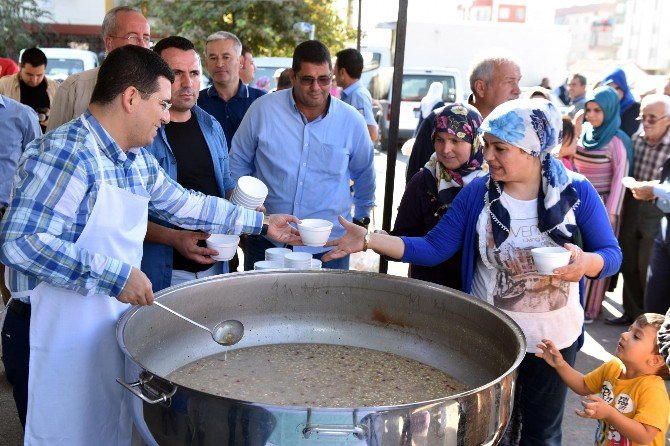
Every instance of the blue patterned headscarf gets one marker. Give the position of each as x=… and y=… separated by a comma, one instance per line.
x=536, y=127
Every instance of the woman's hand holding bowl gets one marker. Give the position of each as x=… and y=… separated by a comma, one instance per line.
x=352, y=241
x=581, y=264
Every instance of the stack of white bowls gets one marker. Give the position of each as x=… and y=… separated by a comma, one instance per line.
x=250, y=192
x=276, y=254
x=268, y=264
x=298, y=260
x=225, y=244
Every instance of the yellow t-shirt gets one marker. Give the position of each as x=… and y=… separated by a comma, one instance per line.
x=644, y=399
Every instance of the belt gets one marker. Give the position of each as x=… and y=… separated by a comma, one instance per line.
x=20, y=308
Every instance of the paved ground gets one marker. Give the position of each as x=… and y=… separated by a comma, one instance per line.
x=601, y=341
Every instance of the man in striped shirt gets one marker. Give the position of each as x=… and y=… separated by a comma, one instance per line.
x=94, y=169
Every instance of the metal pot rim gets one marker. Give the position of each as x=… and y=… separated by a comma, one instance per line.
x=460, y=295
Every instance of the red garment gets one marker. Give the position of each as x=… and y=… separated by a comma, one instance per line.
x=7, y=67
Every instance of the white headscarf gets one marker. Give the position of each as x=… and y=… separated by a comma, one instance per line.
x=431, y=98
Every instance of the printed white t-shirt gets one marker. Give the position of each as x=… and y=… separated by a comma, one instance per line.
x=543, y=306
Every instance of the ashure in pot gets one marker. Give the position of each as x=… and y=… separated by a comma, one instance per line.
x=466, y=338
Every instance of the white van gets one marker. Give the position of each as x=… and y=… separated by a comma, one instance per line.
x=62, y=62
x=415, y=84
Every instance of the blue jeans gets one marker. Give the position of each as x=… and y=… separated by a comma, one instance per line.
x=538, y=403
x=254, y=251
x=15, y=357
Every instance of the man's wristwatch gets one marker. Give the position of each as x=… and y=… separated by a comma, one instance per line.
x=266, y=225
x=365, y=221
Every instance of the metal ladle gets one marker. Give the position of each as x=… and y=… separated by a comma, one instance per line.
x=225, y=333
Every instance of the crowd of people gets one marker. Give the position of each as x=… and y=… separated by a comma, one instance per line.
x=114, y=179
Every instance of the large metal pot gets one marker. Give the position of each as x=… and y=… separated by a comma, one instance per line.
x=464, y=337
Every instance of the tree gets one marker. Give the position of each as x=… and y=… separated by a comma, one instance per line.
x=266, y=26
x=22, y=25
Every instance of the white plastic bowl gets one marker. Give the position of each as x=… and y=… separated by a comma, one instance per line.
x=250, y=187
x=276, y=254
x=268, y=264
x=225, y=244
x=298, y=260
x=249, y=203
x=315, y=231
x=548, y=258
x=316, y=264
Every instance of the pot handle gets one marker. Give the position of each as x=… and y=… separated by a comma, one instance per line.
x=333, y=431
x=137, y=389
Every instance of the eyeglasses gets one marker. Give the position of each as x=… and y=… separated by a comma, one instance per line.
x=135, y=39
x=650, y=119
x=164, y=104
x=323, y=81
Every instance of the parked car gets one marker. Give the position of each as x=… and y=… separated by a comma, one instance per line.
x=62, y=62
x=415, y=84
x=267, y=66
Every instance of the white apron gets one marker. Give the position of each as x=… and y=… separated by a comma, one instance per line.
x=73, y=398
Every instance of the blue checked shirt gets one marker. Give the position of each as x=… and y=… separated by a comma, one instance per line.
x=54, y=193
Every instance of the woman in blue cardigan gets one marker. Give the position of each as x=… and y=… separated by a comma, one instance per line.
x=528, y=200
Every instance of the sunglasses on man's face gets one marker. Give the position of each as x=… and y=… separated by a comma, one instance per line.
x=323, y=81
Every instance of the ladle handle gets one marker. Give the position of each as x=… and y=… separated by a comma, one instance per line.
x=181, y=316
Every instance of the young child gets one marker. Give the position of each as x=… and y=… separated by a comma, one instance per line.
x=633, y=405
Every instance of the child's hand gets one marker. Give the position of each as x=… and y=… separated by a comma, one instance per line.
x=550, y=354
x=595, y=408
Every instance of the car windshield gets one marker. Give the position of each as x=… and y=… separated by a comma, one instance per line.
x=61, y=68
x=415, y=86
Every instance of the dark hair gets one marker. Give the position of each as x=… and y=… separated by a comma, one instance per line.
x=246, y=49
x=312, y=51
x=352, y=61
x=655, y=320
x=181, y=43
x=34, y=56
x=284, y=79
x=579, y=78
x=568, y=130
x=129, y=66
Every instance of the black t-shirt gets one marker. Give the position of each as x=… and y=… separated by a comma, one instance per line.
x=35, y=97
x=195, y=170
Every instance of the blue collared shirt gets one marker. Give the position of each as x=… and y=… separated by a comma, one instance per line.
x=229, y=113
x=307, y=165
x=359, y=97
x=18, y=127
x=157, y=261
x=59, y=182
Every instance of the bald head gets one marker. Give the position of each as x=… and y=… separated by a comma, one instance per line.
x=494, y=80
x=125, y=25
